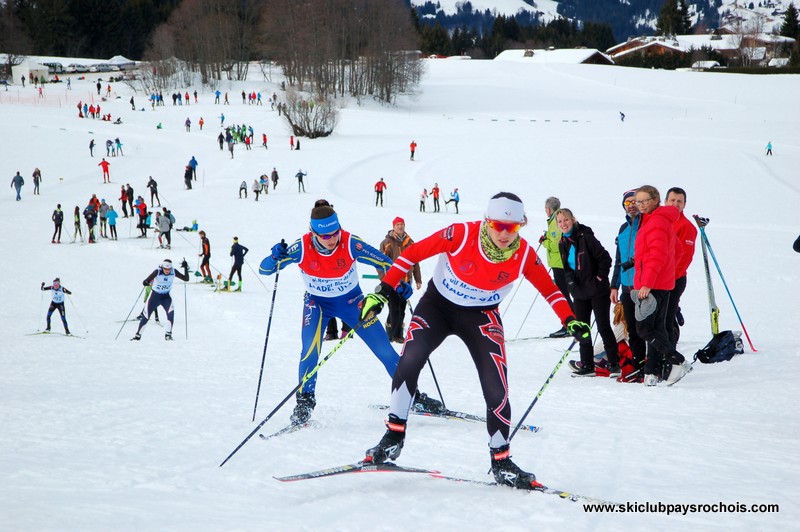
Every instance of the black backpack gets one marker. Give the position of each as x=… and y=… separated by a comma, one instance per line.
x=721, y=348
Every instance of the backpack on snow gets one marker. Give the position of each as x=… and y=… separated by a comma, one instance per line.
x=721, y=348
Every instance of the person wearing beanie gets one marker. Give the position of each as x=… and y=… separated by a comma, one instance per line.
x=392, y=246
x=549, y=240
x=327, y=256
x=622, y=283
x=478, y=263
x=238, y=253
x=161, y=282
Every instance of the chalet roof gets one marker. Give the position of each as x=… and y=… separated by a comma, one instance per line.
x=574, y=56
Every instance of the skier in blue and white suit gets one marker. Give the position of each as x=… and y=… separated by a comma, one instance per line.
x=162, y=279
x=57, y=303
x=326, y=256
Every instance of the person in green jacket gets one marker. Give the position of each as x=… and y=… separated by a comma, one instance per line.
x=550, y=240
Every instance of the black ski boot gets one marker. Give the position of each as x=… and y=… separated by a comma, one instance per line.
x=424, y=403
x=391, y=444
x=137, y=336
x=168, y=336
x=305, y=406
x=507, y=473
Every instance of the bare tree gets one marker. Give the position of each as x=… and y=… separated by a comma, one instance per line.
x=310, y=117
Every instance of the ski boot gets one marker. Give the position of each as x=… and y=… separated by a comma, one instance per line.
x=137, y=336
x=391, y=443
x=305, y=406
x=66, y=331
x=168, y=336
x=424, y=403
x=507, y=473
x=561, y=333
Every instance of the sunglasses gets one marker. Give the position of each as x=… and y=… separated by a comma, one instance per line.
x=511, y=227
x=329, y=235
x=629, y=202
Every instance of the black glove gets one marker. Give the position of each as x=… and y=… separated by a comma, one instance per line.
x=579, y=330
x=145, y=283
x=185, y=265
x=42, y=285
x=542, y=238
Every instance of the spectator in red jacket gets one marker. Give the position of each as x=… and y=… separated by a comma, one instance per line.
x=687, y=235
x=654, y=278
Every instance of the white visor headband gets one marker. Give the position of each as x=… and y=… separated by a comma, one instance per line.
x=505, y=209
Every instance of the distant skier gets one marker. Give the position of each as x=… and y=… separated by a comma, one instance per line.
x=57, y=303
x=205, y=253
x=37, y=178
x=300, y=175
x=413, y=147
x=769, y=148
x=58, y=220
x=380, y=186
x=238, y=253
x=454, y=198
x=161, y=280
x=104, y=165
x=621, y=116
x=274, y=178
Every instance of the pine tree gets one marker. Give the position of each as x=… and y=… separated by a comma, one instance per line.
x=791, y=23
x=668, y=22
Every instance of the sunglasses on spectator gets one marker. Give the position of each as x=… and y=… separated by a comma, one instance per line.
x=511, y=227
x=629, y=202
x=329, y=235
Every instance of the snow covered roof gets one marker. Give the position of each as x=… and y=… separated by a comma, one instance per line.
x=573, y=56
x=685, y=43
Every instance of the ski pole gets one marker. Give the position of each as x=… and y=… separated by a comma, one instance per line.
x=712, y=303
x=41, y=302
x=430, y=366
x=541, y=390
x=185, y=311
x=266, y=341
x=296, y=388
x=255, y=273
x=77, y=313
x=714, y=258
x=129, y=313
x=517, y=289
x=527, y=314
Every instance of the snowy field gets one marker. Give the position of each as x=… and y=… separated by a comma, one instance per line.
x=104, y=434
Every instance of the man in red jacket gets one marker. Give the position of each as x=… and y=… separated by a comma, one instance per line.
x=687, y=235
x=654, y=278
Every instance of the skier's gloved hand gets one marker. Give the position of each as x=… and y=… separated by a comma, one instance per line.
x=542, y=238
x=42, y=285
x=280, y=251
x=145, y=283
x=373, y=303
x=578, y=329
x=404, y=290
x=185, y=265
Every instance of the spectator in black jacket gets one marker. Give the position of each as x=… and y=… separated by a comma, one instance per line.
x=58, y=219
x=586, y=267
x=238, y=252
